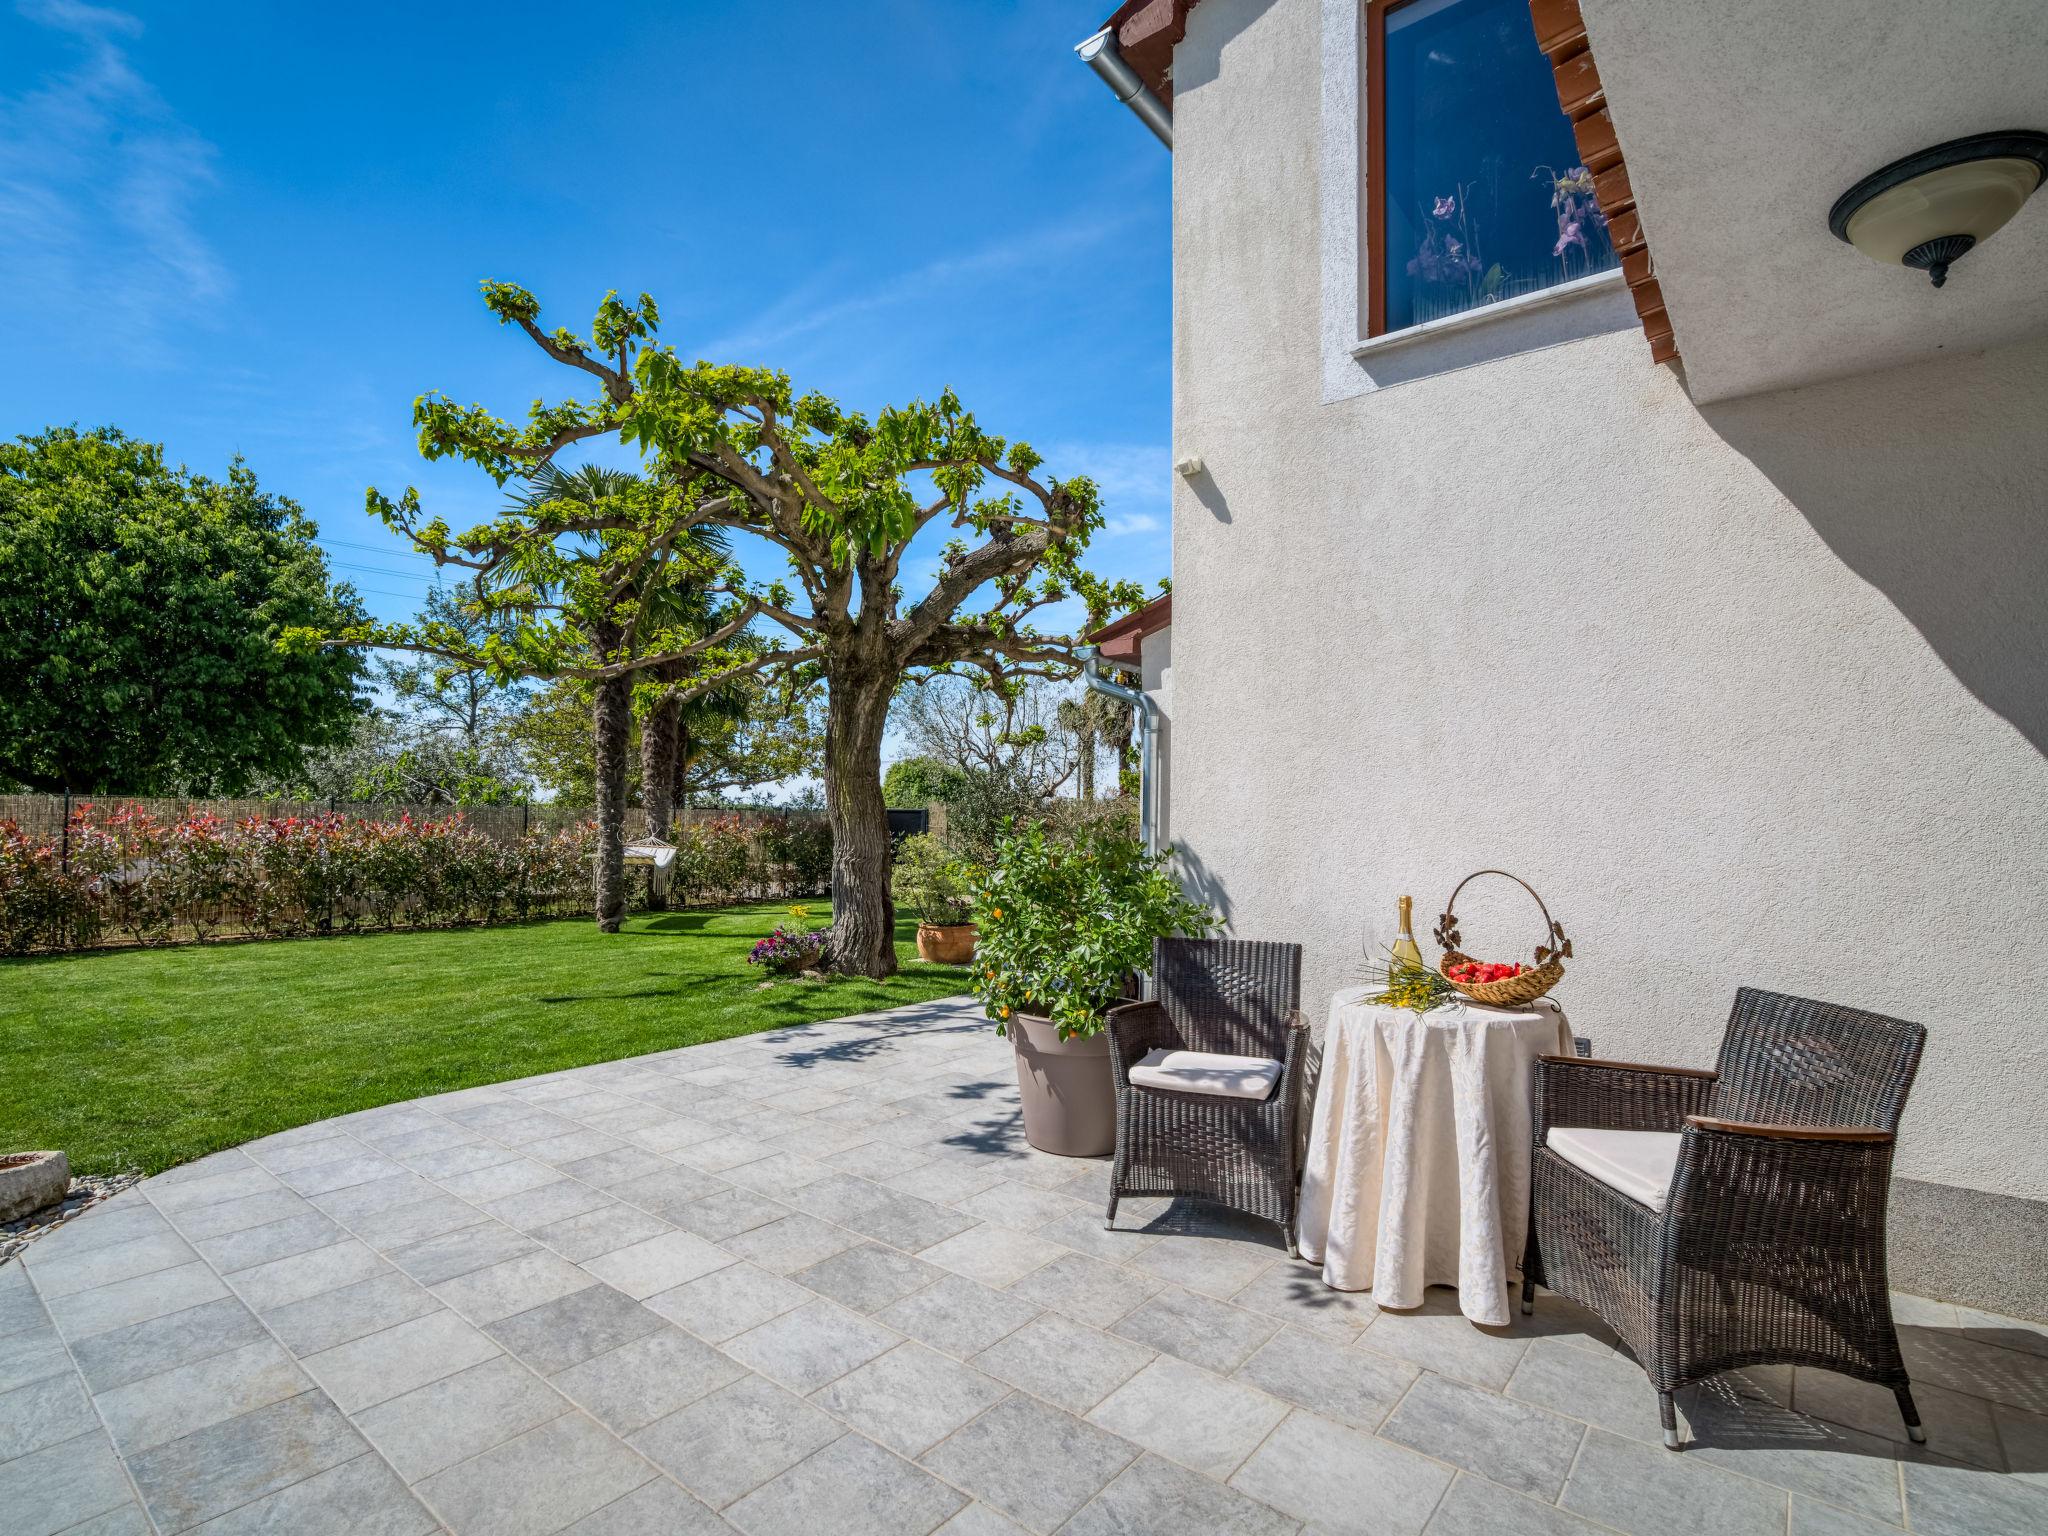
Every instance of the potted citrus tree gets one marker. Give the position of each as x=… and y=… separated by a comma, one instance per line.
x=939, y=887
x=1062, y=924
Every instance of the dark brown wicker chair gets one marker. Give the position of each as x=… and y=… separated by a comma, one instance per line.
x=1231, y=997
x=1770, y=1248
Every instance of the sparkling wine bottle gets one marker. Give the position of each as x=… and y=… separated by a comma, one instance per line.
x=1405, y=950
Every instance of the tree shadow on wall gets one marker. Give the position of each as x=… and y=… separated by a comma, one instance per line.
x=1930, y=487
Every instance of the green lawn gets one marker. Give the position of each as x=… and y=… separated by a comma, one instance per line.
x=145, y=1058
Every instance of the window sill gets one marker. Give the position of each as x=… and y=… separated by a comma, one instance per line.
x=1487, y=314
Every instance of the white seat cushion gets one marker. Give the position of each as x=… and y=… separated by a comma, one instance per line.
x=1638, y=1164
x=1231, y=1077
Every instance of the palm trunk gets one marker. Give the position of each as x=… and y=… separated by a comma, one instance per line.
x=1086, y=747
x=611, y=729
x=863, y=941
x=679, y=786
x=658, y=777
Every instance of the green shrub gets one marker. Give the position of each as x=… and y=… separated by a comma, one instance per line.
x=932, y=882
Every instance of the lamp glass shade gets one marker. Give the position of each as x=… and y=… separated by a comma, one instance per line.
x=1975, y=198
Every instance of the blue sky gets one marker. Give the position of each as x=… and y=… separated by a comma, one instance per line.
x=259, y=228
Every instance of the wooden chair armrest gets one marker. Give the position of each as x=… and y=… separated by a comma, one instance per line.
x=1854, y=1133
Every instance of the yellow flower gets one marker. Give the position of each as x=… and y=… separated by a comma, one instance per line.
x=998, y=912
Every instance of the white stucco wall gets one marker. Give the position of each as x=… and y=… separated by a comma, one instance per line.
x=1753, y=693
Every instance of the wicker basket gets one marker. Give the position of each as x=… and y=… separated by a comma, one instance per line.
x=1525, y=988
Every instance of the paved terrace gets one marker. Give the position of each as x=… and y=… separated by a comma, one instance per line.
x=813, y=1283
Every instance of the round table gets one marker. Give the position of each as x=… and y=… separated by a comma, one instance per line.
x=1418, y=1160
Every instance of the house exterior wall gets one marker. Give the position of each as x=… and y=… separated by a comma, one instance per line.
x=1752, y=693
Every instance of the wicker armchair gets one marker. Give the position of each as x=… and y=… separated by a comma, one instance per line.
x=1228, y=997
x=1769, y=1247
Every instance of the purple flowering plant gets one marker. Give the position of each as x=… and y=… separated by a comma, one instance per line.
x=790, y=947
x=1578, y=211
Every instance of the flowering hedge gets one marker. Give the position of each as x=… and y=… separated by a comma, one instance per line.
x=129, y=875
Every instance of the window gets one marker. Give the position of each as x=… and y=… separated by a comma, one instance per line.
x=1474, y=190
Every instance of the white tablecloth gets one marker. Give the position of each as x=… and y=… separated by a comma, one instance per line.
x=1418, y=1159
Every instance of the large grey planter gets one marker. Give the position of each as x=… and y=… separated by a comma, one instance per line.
x=1068, y=1090
x=42, y=1180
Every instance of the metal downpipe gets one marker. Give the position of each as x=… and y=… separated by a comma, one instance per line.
x=1100, y=54
x=1148, y=736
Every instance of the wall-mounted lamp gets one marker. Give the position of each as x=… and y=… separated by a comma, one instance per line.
x=1928, y=209
x=1189, y=467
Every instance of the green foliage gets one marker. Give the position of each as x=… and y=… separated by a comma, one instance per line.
x=933, y=882
x=141, y=607
x=912, y=783
x=1060, y=924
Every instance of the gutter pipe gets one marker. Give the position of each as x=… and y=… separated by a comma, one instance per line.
x=1100, y=54
x=1148, y=736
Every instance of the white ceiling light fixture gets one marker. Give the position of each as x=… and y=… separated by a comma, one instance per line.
x=1931, y=208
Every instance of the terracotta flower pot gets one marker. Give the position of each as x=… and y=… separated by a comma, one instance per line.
x=949, y=943
x=1068, y=1090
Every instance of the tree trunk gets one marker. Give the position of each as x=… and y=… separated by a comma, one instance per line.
x=863, y=941
x=679, y=789
x=1085, y=746
x=657, y=779
x=611, y=729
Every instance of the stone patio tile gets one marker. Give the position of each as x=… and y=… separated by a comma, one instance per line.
x=450, y=1420
x=836, y=1195
x=353, y=1203
x=717, y=1153
x=251, y=1246
x=363, y=1497
x=658, y=1263
x=1609, y=1390
x=795, y=1242
x=942, y=1182
x=668, y=1191
x=481, y=1185
x=1440, y=1338
x=1199, y=1329
x=111, y=1223
x=1959, y=1427
x=66, y=1274
x=996, y=1256
x=726, y=1445
x=382, y=1365
x=20, y=1306
x=560, y=1333
x=401, y=1226
x=910, y=1398
x=1082, y=1230
x=649, y=1378
x=729, y=1301
x=192, y=1194
x=624, y=1119
x=128, y=1520
x=852, y=1486
x=224, y=1466
x=1645, y=1490
x=2007, y=1332
x=1190, y=1415
x=958, y=1316
x=436, y=1259
x=657, y=1508
x=1033, y=1463
x=1087, y=1290
x=1067, y=1364
x=603, y=1230
x=135, y=1301
x=30, y=1354
x=458, y=1157
x=623, y=1162
x=485, y=1295
x=61, y=1487
x=539, y=1482
x=729, y=1213
x=1027, y=1209
x=816, y=1343
x=1293, y=1292
x=44, y=1413
x=1152, y=1497
x=1352, y=1386
x=1507, y=1442
x=358, y=1165
x=350, y=1312
x=1945, y=1498
x=780, y=1174
x=190, y=1397
x=1475, y=1507
x=1215, y=1266
x=575, y=1146
x=1340, y=1481
x=1762, y=1439
x=280, y=1282
x=868, y=1277
x=535, y=1208
x=877, y=1160
x=2011, y=1376
x=672, y=1133
x=406, y=1145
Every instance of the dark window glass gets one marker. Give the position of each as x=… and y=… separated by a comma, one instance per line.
x=1485, y=197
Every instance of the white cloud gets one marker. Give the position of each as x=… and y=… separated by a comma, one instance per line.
x=98, y=182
